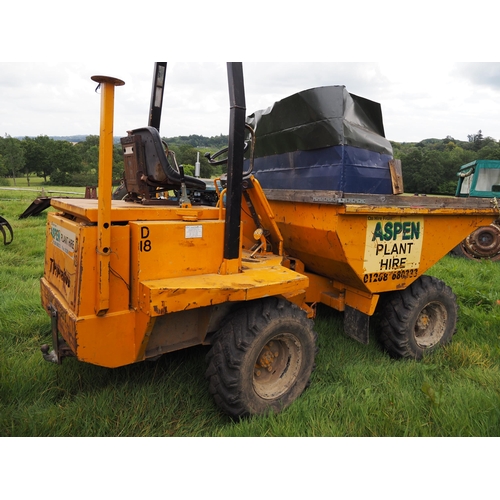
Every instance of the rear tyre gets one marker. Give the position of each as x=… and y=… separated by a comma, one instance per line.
x=262, y=358
x=417, y=320
x=458, y=251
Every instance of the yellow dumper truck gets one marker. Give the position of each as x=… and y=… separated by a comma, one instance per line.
x=129, y=280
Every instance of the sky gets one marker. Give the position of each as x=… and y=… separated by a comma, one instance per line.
x=420, y=99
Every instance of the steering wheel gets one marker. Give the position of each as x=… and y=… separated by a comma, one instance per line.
x=211, y=158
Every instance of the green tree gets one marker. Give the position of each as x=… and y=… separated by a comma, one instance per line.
x=66, y=162
x=89, y=154
x=423, y=171
x=476, y=140
x=452, y=160
x=3, y=168
x=187, y=155
x=118, y=165
x=90, y=159
x=431, y=165
x=490, y=150
x=199, y=141
x=38, y=152
x=13, y=156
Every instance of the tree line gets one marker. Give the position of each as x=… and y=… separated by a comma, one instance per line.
x=429, y=166
x=65, y=163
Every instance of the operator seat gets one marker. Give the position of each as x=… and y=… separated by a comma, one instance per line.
x=159, y=171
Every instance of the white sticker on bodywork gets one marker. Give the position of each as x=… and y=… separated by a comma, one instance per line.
x=194, y=232
x=393, y=243
x=63, y=239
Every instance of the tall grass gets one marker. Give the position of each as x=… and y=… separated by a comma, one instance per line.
x=356, y=390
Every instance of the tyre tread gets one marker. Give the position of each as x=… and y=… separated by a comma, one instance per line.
x=397, y=309
x=234, y=338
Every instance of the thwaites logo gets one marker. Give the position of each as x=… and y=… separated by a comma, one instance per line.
x=63, y=239
x=58, y=272
x=393, y=244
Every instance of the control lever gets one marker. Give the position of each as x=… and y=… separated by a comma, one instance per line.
x=184, y=201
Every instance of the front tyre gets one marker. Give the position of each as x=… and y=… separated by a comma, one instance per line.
x=418, y=319
x=262, y=358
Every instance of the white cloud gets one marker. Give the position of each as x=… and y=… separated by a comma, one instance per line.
x=419, y=99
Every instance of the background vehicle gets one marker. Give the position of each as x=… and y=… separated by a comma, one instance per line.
x=480, y=178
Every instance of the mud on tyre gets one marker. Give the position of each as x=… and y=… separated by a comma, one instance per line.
x=418, y=319
x=262, y=358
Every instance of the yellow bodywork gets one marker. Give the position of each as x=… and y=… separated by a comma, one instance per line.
x=169, y=284
x=352, y=252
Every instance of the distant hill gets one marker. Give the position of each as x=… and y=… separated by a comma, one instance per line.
x=199, y=141
x=69, y=138
x=73, y=138
x=217, y=142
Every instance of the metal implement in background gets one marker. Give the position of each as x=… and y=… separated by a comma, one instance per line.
x=43, y=202
x=3, y=226
x=36, y=207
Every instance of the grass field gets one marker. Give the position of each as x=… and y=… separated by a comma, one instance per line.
x=356, y=390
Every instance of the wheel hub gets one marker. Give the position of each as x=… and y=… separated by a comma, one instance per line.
x=266, y=359
x=430, y=324
x=483, y=243
x=423, y=321
x=277, y=366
